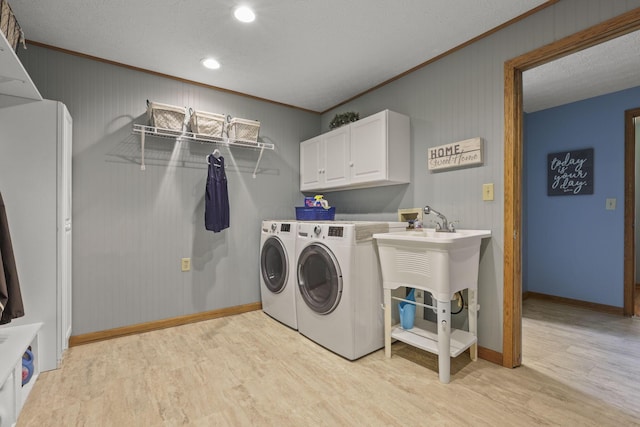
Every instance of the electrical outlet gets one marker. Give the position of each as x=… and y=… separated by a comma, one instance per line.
x=186, y=264
x=487, y=192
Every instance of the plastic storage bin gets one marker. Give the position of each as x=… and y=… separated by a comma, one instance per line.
x=315, y=214
x=204, y=123
x=243, y=129
x=166, y=116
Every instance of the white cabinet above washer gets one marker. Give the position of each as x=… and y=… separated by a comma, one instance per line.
x=371, y=152
x=324, y=160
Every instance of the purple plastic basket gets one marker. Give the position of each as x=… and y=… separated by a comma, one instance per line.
x=315, y=214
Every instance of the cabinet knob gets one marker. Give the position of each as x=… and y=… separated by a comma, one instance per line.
x=351, y=164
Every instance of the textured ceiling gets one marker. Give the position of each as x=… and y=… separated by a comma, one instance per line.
x=604, y=68
x=312, y=54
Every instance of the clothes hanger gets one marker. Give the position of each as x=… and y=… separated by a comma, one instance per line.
x=216, y=154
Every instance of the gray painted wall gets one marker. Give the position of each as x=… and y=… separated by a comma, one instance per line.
x=131, y=228
x=461, y=97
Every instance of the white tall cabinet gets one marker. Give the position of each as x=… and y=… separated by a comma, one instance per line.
x=35, y=181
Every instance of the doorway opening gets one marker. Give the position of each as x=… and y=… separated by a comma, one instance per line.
x=513, y=167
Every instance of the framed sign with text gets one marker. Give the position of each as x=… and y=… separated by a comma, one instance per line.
x=458, y=154
x=570, y=173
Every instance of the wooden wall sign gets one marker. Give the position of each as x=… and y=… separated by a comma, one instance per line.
x=570, y=173
x=458, y=154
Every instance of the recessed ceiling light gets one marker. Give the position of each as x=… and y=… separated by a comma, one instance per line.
x=210, y=63
x=244, y=14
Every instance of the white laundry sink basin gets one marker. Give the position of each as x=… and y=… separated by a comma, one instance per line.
x=439, y=262
x=433, y=238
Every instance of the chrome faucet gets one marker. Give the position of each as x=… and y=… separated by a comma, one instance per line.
x=445, y=226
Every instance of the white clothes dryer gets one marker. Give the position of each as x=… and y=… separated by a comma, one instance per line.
x=339, y=285
x=277, y=270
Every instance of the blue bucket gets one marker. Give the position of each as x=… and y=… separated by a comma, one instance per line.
x=407, y=311
x=27, y=366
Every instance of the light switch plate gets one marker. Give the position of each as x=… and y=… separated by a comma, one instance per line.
x=487, y=191
x=611, y=204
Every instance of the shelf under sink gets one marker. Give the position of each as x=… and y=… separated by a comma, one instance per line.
x=425, y=336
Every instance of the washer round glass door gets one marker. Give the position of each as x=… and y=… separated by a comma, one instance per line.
x=273, y=265
x=319, y=278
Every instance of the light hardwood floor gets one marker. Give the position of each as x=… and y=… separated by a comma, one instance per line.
x=581, y=368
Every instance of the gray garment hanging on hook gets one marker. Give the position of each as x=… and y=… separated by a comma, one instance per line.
x=216, y=209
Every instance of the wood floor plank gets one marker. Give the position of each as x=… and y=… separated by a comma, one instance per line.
x=579, y=368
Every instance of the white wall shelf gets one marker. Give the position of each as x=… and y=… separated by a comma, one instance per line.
x=200, y=138
x=14, y=80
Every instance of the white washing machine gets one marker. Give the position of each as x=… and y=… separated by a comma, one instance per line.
x=277, y=270
x=339, y=285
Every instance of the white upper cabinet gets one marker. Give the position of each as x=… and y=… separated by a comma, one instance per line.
x=370, y=152
x=336, y=151
x=324, y=160
x=311, y=156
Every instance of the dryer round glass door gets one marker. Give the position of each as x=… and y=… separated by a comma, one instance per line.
x=319, y=278
x=273, y=265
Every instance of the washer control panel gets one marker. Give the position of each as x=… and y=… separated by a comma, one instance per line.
x=323, y=231
x=335, y=231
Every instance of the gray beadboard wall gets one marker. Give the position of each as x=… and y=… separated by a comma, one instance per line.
x=131, y=228
x=461, y=97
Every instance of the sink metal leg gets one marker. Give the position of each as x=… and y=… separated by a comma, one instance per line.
x=387, y=322
x=444, y=341
x=473, y=322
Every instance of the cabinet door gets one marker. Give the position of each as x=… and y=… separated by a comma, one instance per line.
x=368, y=152
x=63, y=291
x=66, y=253
x=336, y=157
x=311, y=157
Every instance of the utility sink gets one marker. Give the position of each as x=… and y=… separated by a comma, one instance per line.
x=431, y=236
x=439, y=262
